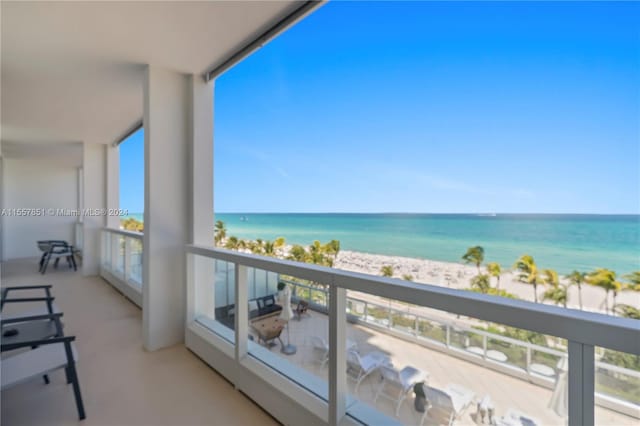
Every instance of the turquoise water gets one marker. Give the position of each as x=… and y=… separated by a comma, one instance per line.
x=561, y=242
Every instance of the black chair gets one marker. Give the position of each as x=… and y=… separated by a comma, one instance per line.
x=55, y=249
x=50, y=354
x=47, y=298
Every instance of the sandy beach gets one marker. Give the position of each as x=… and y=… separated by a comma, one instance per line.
x=458, y=275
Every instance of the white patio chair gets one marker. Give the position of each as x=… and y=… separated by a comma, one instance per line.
x=402, y=381
x=320, y=350
x=360, y=367
x=448, y=405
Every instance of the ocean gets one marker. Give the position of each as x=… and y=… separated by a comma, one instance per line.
x=560, y=242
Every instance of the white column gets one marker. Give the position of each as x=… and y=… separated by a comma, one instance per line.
x=201, y=161
x=113, y=185
x=94, y=195
x=178, y=205
x=201, y=270
x=337, y=354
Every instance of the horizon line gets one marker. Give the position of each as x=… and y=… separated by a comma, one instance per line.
x=488, y=214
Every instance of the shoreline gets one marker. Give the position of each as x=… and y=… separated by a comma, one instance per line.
x=459, y=275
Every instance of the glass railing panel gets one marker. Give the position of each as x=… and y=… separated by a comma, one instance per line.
x=223, y=293
x=432, y=330
x=544, y=363
x=482, y=374
x=356, y=308
x=106, y=250
x=403, y=322
x=617, y=383
x=463, y=337
x=377, y=314
x=135, y=261
x=289, y=332
x=118, y=252
x=507, y=352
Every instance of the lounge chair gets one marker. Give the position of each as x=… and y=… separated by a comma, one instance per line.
x=448, y=405
x=359, y=367
x=320, y=350
x=56, y=249
x=46, y=308
x=402, y=381
x=50, y=354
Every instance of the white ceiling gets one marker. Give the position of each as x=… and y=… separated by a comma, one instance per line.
x=72, y=71
x=63, y=154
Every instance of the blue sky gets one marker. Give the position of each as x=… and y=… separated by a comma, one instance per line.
x=432, y=107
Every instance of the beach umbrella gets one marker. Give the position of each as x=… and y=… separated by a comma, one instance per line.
x=286, y=314
x=559, y=402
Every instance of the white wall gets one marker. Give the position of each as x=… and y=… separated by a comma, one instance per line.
x=36, y=184
x=94, y=196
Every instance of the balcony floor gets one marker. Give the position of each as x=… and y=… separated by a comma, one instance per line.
x=122, y=384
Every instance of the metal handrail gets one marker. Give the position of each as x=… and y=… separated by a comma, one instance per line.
x=132, y=234
x=621, y=334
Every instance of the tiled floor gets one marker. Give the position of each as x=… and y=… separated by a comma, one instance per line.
x=121, y=383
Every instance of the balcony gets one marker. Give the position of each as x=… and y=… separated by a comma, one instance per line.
x=152, y=349
x=121, y=382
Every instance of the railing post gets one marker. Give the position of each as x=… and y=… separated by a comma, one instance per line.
x=366, y=312
x=337, y=354
x=242, y=310
x=484, y=346
x=127, y=259
x=448, y=335
x=528, y=358
x=581, y=384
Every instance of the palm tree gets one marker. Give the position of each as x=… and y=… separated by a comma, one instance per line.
x=332, y=248
x=528, y=273
x=232, y=243
x=634, y=281
x=269, y=248
x=278, y=245
x=481, y=282
x=494, y=270
x=297, y=253
x=474, y=255
x=603, y=278
x=556, y=293
x=627, y=311
x=577, y=278
x=386, y=271
x=616, y=288
x=550, y=277
x=220, y=232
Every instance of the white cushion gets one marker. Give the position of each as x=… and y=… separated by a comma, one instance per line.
x=253, y=305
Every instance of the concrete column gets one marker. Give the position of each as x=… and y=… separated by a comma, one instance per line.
x=202, y=270
x=94, y=195
x=113, y=185
x=201, y=162
x=178, y=195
